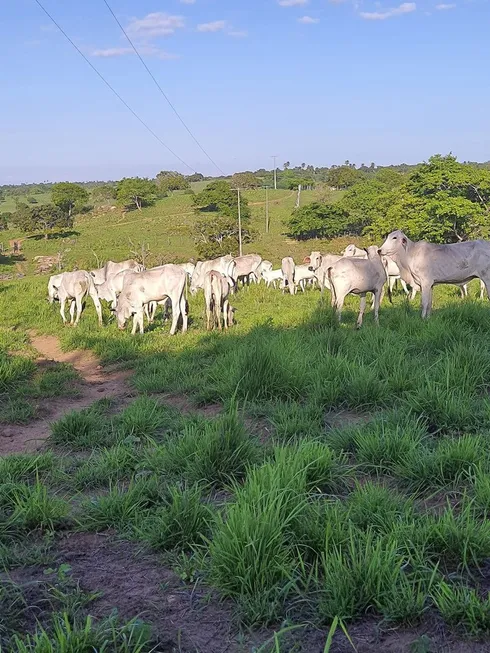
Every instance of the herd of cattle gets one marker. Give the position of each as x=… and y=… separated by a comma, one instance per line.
x=135, y=291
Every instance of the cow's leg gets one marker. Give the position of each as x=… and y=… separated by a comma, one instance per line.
x=72, y=311
x=209, y=316
x=217, y=311
x=62, y=308
x=175, y=314
x=377, y=302
x=404, y=286
x=79, y=306
x=413, y=293
x=482, y=289
x=183, y=312
x=426, y=300
x=98, y=308
x=362, y=308
x=225, y=313
x=391, y=281
x=338, y=303
x=463, y=290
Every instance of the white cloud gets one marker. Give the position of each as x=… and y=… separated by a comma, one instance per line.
x=292, y=3
x=215, y=26
x=147, y=50
x=238, y=34
x=404, y=8
x=308, y=20
x=156, y=24
x=443, y=6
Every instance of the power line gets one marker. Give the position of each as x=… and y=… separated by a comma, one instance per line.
x=112, y=88
x=161, y=89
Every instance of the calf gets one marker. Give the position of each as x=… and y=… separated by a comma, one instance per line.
x=319, y=264
x=216, y=292
x=391, y=268
x=245, y=267
x=302, y=274
x=74, y=286
x=223, y=264
x=358, y=276
x=271, y=276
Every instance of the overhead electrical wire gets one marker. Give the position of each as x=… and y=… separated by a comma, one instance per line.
x=161, y=89
x=145, y=125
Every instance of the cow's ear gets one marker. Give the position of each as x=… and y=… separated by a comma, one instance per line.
x=366, y=250
x=404, y=242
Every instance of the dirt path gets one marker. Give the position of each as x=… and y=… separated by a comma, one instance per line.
x=97, y=383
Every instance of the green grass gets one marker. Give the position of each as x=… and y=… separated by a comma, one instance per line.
x=346, y=476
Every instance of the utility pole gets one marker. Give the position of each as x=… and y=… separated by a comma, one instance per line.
x=240, y=250
x=267, y=209
x=274, y=156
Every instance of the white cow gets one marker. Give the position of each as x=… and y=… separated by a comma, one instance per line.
x=426, y=264
x=271, y=276
x=319, y=264
x=265, y=266
x=111, y=268
x=391, y=268
x=288, y=267
x=216, y=292
x=358, y=276
x=74, y=286
x=151, y=307
x=113, y=285
x=302, y=274
x=153, y=286
x=223, y=264
x=246, y=267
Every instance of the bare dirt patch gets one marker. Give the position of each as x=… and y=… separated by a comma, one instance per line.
x=185, y=405
x=184, y=618
x=342, y=418
x=96, y=383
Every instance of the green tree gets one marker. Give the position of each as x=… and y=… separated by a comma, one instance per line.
x=216, y=235
x=246, y=180
x=389, y=178
x=343, y=177
x=5, y=219
x=168, y=181
x=197, y=176
x=69, y=197
x=103, y=194
x=287, y=165
x=317, y=220
x=135, y=192
x=45, y=219
x=218, y=197
x=216, y=230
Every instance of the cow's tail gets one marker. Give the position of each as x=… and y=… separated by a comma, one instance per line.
x=92, y=291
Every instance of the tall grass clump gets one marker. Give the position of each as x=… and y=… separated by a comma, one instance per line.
x=250, y=555
x=122, y=508
x=107, y=467
x=85, y=429
x=375, y=507
x=27, y=467
x=462, y=607
x=24, y=508
x=183, y=522
x=211, y=452
x=144, y=418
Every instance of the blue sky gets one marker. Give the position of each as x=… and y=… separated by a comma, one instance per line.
x=313, y=81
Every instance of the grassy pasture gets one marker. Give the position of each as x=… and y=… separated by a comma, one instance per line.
x=341, y=474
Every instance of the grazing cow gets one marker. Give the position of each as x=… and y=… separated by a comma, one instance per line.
x=74, y=286
x=113, y=285
x=111, y=268
x=153, y=286
x=319, y=264
x=426, y=264
x=302, y=274
x=288, y=267
x=223, y=264
x=216, y=292
x=391, y=268
x=358, y=276
x=271, y=276
x=265, y=266
x=245, y=267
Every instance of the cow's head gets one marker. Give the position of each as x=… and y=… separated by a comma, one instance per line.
x=123, y=312
x=350, y=250
x=394, y=243
x=315, y=261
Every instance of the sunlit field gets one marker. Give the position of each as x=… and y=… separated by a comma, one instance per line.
x=290, y=485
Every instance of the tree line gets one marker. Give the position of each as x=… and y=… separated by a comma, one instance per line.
x=442, y=200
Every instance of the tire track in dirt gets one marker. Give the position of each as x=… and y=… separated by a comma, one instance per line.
x=96, y=383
